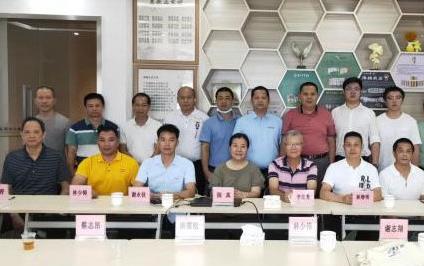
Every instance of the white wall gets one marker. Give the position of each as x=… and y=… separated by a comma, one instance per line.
x=114, y=79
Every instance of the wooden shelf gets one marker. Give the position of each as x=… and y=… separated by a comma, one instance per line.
x=302, y=39
x=222, y=77
x=263, y=30
x=390, y=50
x=228, y=14
x=263, y=68
x=377, y=15
x=340, y=5
x=308, y=21
x=263, y=4
x=225, y=49
x=340, y=27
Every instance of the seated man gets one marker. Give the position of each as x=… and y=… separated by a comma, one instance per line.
x=402, y=179
x=352, y=173
x=291, y=171
x=109, y=171
x=35, y=169
x=168, y=172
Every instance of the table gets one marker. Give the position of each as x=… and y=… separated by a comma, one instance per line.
x=402, y=208
x=55, y=204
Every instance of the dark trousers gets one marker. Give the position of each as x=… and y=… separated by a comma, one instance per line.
x=200, y=177
x=322, y=165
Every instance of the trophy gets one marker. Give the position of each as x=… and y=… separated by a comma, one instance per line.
x=301, y=54
x=376, y=53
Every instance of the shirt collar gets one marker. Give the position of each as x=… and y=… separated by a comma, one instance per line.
x=300, y=166
x=87, y=122
x=300, y=109
x=43, y=150
x=221, y=118
x=158, y=160
x=118, y=157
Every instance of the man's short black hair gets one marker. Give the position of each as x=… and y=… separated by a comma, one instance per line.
x=259, y=88
x=308, y=83
x=352, y=80
x=94, y=95
x=169, y=128
x=403, y=140
x=224, y=89
x=239, y=136
x=44, y=87
x=393, y=88
x=106, y=128
x=33, y=119
x=352, y=134
x=141, y=94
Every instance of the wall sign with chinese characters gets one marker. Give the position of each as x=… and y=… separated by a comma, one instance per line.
x=373, y=86
x=408, y=71
x=166, y=30
x=162, y=86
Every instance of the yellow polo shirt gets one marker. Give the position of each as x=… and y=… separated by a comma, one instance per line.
x=105, y=177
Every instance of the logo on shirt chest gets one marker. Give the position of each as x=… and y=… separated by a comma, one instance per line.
x=365, y=182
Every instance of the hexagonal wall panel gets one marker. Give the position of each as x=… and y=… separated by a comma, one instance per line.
x=409, y=23
x=408, y=71
x=225, y=13
x=339, y=32
x=263, y=30
x=264, y=4
x=377, y=15
x=225, y=49
x=411, y=6
x=308, y=21
x=334, y=68
x=373, y=86
x=390, y=51
x=340, y=5
x=289, y=86
x=276, y=105
x=301, y=40
x=218, y=78
x=263, y=68
x=330, y=99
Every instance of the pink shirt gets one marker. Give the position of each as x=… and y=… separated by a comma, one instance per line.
x=315, y=127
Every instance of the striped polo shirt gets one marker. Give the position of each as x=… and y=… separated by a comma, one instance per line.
x=35, y=177
x=83, y=135
x=287, y=179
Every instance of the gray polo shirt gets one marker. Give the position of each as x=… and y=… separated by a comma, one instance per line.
x=56, y=128
x=39, y=177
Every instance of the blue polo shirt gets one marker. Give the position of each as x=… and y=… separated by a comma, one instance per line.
x=217, y=132
x=264, y=135
x=171, y=179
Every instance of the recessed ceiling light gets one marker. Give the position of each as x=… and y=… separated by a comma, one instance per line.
x=76, y=33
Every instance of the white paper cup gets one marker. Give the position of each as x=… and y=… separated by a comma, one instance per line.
x=116, y=198
x=167, y=200
x=389, y=201
x=327, y=240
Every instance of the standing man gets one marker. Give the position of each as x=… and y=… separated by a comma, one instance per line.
x=395, y=124
x=81, y=139
x=353, y=116
x=217, y=131
x=138, y=135
x=189, y=121
x=56, y=124
x=263, y=129
x=35, y=169
x=317, y=127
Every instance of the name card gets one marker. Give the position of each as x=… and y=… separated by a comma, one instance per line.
x=302, y=198
x=4, y=192
x=272, y=202
x=190, y=227
x=393, y=229
x=223, y=196
x=363, y=198
x=139, y=194
x=90, y=226
x=78, y=192
x=303, y=230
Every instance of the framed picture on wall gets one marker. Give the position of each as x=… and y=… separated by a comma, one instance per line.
x=165, y=31
x=162, y=85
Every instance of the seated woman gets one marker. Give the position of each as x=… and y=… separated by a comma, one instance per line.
x=238, y=172
x=291, y=171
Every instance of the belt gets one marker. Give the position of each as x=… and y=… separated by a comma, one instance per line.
x=315, y=156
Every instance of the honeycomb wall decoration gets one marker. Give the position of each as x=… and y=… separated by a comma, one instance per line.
x=251, y=42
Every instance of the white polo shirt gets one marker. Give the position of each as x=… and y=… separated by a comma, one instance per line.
x=392, y=129
x=140, y=140
x=393, y=183
x=344, y=179
x=190, y=127
x=360, y=119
